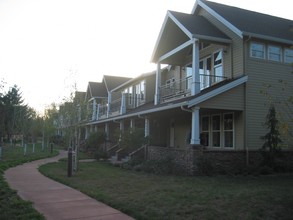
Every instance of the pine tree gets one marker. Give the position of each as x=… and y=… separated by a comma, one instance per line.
x=272, y=138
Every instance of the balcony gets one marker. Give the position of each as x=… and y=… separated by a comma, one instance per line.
x=182, y=88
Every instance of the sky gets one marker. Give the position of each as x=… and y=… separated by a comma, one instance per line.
x=50, y=48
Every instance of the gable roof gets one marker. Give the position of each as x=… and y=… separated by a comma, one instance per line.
x=179, y=28
x=96, y=89
x=112, y=82
x=249, y=23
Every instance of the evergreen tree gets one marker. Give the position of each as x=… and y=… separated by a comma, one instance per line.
x=272, y=138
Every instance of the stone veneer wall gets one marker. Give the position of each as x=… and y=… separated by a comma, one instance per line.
x=201, y=161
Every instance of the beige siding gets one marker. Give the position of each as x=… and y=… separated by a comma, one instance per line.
x=232, y=99
x=150, y=88
x=261, y=73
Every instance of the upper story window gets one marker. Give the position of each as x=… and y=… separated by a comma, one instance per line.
x=218, y=66
x=274, y=53
x=188, y=70
x=140, y=93
x=257, y=50
x=288, y=55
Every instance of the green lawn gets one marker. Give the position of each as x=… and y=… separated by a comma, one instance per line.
x=147, y=196
x=12, y=207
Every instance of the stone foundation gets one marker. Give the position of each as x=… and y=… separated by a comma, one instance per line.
x=200, y=161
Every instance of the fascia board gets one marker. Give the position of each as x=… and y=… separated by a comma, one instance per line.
x=215, y=39
x=221, y=19
x=159, y=37
x=265, y=37
x=217, y=91
x=184, y=29
x=171, y=106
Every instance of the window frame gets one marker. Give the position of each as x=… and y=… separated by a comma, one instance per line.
x=251, y=51
x=285, y=57
x=269, y=53
x=229, y=130
x=214, y=131
x=206, y=131
x=214, y=66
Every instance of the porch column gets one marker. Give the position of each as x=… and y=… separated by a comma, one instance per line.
x=123, y=104
x=195, y=85
x=158, y=84
x=107, y=131
x=195, y=140
x=132, y=124
x=86, y=132
x=94, y=110
x=109, y=104
x=121, y=123
x=146, y=127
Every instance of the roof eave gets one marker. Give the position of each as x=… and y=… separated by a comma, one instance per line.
x=211, y=38
x=270, y=38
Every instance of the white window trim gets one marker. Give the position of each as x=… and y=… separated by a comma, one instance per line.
x=264, y=52
x=213, y=81
x=268, y=53
x=209, y=130
x=285, y=60
x=212, y=130
x=233, y=130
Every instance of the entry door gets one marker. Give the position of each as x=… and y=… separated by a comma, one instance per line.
x=172, y=133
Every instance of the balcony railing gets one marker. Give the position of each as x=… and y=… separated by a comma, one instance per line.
x=182, y=88
x=115, y=107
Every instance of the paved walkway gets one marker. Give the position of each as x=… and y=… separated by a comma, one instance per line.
x=55, y=200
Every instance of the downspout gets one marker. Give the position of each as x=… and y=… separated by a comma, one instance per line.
x=245, y=101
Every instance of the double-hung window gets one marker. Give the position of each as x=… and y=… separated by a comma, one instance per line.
x=205, y=130
x=274, y=53
x=257, y=50
x=288, y=55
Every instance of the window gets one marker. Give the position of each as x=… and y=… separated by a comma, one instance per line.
x=274, y=53
x=188, y=70
x=205, y=129
x=140, y=93
x=257, y=50
x=288, y=55
x=218, y=67
x=216, y=130
x=205, y=72
x=229, y=130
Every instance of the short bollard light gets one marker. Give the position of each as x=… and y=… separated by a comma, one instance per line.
x=69, y=165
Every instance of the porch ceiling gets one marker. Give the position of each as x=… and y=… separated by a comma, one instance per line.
x=179, y=28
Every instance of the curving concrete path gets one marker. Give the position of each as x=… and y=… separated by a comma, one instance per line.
x=55, y=200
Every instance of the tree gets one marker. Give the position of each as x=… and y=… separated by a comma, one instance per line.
x=272, y=138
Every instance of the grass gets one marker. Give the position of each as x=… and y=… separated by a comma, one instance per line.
x=11, y=205
x=147, y=196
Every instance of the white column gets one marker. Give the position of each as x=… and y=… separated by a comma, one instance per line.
x=94, y=110
x=195, y=86
x=132, y=124
x=107, y=131
x=123, y=104
x=98, y=111
x=146, y=127
x=86, y=132
x=195, y=140
x=109, y=104
x=158, y=84
x=121, y=126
